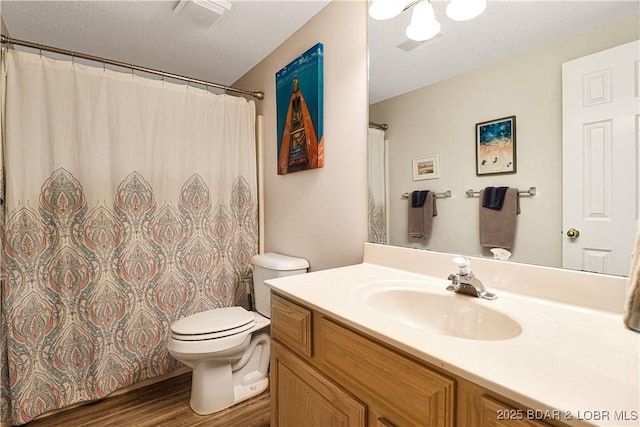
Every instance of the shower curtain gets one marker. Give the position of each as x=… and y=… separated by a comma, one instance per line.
x=127, y=203
x=377, y=186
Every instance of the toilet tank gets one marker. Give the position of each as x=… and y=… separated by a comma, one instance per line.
x=270, y=266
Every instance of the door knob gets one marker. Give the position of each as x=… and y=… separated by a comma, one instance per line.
x=572, y=233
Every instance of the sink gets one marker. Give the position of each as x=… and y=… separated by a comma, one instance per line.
x=451, y=314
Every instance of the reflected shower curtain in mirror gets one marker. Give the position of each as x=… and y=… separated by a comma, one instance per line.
x=377, y=187
x=127, y=203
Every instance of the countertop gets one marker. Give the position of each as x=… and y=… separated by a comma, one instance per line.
x=581, y=363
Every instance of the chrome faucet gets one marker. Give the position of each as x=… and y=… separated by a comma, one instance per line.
x=465, y=282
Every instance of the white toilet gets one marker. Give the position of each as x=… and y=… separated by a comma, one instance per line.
x=229, y=348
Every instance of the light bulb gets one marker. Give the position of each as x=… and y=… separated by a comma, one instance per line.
x=385, y=9
x=423, y=24
x=463, y=10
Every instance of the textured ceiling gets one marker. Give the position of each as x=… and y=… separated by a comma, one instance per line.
x=149, y=34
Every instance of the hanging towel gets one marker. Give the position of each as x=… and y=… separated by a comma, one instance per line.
x=498, y=226
x=494, y=197
x=418, y=198
x=632, y=306
x=421, y=217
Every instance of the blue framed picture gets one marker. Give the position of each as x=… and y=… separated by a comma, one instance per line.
x=496, y=146
x=299, y=104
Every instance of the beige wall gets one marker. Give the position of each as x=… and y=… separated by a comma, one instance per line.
x=440, y=119
x=321, y=214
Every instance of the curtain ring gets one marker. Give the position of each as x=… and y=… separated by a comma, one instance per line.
x=104, y=65
x=131, y=66
x=40, y=49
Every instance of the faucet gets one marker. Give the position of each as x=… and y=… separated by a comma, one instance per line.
x=465, y=282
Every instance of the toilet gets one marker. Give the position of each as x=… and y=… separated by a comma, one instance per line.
x=228, y=348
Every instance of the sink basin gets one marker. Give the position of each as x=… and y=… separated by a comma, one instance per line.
x=451, y=314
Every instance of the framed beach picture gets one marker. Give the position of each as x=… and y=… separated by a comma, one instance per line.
x=299, y=105
x=496, y=146
x=426, y=167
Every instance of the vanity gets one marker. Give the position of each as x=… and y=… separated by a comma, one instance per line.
x=383, y=343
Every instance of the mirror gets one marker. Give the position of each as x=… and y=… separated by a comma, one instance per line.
x=506, y=62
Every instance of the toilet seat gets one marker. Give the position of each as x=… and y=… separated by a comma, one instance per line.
x=195, y=348
x=213, y=324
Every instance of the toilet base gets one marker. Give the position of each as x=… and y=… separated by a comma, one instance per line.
x=216, y=386
x=244, y=392
x=206, y=405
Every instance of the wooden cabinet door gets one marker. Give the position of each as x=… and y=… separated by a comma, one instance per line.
x=300, y=396
x=291, y=325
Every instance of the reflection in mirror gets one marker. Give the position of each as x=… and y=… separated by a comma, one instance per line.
x=506, y=62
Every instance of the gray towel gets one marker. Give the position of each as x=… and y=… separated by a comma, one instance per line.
x=498, y=227
x=421, y=218
x=632, y=305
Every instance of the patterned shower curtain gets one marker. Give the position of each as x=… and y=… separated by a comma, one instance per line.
x=377, y=187
x=127, y=203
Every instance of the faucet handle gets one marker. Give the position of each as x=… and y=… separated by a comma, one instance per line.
x=462, y=265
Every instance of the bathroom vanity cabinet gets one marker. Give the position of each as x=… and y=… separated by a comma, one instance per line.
x=324, y=373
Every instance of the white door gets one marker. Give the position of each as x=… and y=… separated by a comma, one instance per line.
x=601, y=121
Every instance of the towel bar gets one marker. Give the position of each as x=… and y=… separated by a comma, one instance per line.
x=530, y=192
x=436, y=195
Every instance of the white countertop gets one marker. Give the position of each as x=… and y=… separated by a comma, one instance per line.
x=580, y=362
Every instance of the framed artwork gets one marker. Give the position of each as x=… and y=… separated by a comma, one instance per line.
x=496, y=146
x=426, y=167
x=299, y=105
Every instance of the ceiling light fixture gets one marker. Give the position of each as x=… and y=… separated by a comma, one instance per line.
x=424, y=25
x=464, y=10
x=385, y=9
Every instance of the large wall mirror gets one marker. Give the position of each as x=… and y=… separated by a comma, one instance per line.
x=506, y=62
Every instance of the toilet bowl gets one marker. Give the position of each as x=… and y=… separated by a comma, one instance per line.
x=228, y=349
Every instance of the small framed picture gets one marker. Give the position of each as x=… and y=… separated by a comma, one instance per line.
x=426, y=167
x=496, y=146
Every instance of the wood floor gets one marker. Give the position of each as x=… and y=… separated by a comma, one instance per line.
x=161, y=404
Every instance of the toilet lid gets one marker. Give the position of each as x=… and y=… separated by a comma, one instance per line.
x=216, y=323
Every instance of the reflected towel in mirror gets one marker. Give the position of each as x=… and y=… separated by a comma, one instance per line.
x=421, y=217
x=493, y=197
x=418, y=198
x=498, y=227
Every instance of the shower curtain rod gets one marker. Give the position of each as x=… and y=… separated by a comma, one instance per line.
x=9, y=40
x=382, y=126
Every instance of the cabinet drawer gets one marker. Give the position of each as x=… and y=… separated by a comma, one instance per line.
x=291, y=325
x=401, y=391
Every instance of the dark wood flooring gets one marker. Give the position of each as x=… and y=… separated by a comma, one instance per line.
x=162, y=404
